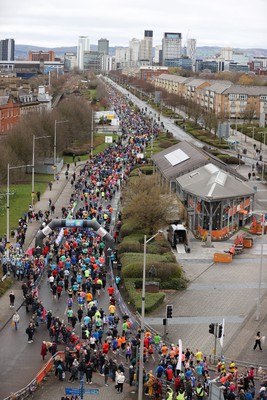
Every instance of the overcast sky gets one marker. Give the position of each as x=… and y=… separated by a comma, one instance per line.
x=233, y=23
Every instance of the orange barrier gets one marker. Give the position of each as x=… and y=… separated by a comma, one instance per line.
x=222, y=257
x=48, y=366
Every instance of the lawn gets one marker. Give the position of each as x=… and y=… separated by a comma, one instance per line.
x=20, y=198
x=20, y=194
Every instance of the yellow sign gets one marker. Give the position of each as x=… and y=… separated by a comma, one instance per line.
x=33, y=194
x=7, y=245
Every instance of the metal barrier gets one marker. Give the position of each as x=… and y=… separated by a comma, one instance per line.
x=32, y=386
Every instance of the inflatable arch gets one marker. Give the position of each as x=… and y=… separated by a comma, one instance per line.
x=74, y=223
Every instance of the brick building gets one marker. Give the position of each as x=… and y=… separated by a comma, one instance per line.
x=9, y=113
x=41, y=56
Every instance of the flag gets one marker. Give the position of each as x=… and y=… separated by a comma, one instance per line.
x=179, y=363
x=221, y=338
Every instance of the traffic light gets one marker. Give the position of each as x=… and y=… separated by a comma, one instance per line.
x=211, y=328
x=220, y=330
x=169, y=309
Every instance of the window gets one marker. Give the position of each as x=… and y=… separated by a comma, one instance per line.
x=232, y=96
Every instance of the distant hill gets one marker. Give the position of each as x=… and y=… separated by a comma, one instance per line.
x=21, y=51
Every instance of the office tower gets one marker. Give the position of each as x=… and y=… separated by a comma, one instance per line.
x=171, y=48
x=157, y=57
x=134, y=47
x=146, y=45
x=191, y=51
x=83, y=45
x=103, y=46
x=122, y=57
x=227, y=54
x=7, y=49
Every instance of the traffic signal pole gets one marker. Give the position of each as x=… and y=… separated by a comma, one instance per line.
x=215, y=341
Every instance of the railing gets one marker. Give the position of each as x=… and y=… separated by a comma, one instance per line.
x=32, y=386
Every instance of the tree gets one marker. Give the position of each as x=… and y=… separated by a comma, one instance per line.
x=146, y=204
x=249, y=112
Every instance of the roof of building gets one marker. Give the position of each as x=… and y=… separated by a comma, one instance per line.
x=249, y=90
x=184, y=157
x=4, y=99
x=188, y=158
x=174, y=78
x=218, y=87
x=211, y=182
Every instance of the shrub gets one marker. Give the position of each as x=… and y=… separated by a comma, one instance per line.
x=5, y=285
x=153, y=300
x=126, y=229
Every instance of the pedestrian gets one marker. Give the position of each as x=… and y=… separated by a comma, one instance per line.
x=200, y=391
x=30, y=332
x=53, y=207
x=15, y=320
x=118, y=280
x=106, y=372
x=50, y=184
x=89, y=373
x=11, y=299
x=38, y=195
x=43, y=350
x=257, y=341
x=120, y=381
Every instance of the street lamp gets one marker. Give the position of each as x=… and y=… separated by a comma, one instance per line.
x=92, y=135
x=8, y=203
x=33, y=163
x=253, y=129
x=141, y=348
x=262, y=163
x=262, y=214
x=55, y=144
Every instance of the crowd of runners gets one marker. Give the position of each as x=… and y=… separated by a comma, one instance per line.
x=96, y=337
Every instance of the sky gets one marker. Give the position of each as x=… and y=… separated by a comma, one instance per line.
x=57, y=23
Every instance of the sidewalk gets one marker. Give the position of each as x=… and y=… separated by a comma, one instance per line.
x=60, y=195
x=52, y=388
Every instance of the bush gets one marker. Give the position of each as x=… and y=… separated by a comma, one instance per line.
x=126, y=229
x=165, y=144
x=153, y=300
x=5, y=285
x=165, y=270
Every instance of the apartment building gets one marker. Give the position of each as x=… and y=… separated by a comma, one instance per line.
x=236, y=101
x=9, y=113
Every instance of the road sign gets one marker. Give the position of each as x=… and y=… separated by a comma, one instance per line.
x=77, y=391
x=70, y=391
x=91, y=391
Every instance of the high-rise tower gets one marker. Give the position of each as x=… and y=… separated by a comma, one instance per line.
x=83, y=45
x=171, y=48
x=103, y=46
x=146, y=45
x=191, y=51
x=7, y=49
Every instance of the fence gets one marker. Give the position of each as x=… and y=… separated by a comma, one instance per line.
x=41, y=375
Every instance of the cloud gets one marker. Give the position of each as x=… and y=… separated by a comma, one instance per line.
x=60, y=22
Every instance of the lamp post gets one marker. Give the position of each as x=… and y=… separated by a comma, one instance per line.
x=55, y=144
x=261, y=266
x=141, y=348
x=33, y=163
x=263, y=152
x=92, y=135
x=8, y=203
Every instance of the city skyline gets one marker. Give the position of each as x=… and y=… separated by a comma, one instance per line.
x=227, y=24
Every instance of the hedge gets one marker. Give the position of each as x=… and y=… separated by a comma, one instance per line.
x=153, y=300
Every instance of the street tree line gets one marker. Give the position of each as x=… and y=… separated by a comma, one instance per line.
x=17, y=145
x=208, y=119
